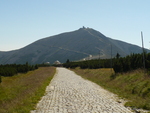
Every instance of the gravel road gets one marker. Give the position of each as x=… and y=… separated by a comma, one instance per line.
x=69, y=93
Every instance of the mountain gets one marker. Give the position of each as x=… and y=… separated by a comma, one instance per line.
x=74, y=46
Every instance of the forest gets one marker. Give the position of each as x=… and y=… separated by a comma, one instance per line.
x=119, y=64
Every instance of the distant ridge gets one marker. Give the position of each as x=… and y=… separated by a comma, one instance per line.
x=74, y=45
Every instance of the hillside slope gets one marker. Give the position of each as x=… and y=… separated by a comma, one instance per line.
x=74, y=45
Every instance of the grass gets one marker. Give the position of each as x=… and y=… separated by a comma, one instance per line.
x=20, y=93
x=134, y=86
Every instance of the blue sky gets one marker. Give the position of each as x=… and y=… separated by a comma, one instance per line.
x=24, y=21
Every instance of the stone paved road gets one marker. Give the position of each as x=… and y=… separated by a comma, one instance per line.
x=69, y=93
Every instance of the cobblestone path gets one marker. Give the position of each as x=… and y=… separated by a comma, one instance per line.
x=69, y=93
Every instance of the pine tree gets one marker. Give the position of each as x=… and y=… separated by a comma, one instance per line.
x=117, y=55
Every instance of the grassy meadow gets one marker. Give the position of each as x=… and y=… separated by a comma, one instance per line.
x=20, y=93
x=134, y=86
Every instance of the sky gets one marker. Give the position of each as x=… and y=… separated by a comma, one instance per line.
x=23, y=22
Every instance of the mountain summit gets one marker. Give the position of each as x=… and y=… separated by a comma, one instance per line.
x=74, y=46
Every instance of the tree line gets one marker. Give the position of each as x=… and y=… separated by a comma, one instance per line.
x=132, y=62
x=9, y=70
x=119, y=64
x=12, y=69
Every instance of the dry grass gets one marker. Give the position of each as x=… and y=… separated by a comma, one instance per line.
x=20, y=93
x=134, y=86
